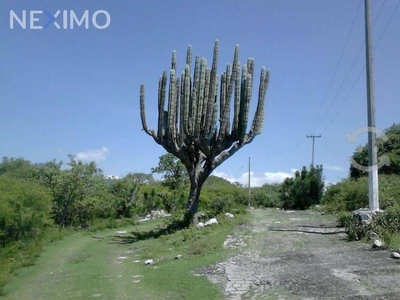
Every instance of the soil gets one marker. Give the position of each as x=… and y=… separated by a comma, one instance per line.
x=302, y=255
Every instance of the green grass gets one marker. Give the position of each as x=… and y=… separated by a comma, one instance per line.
x=103, y=265
x=23, y=254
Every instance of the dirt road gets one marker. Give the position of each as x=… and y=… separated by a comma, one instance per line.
x=303, y=255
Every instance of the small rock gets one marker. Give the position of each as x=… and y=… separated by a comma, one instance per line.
x=377, y=244
x=395, y=255
x=363, y=216
x=373, y=236
x=211, y=222
x=229, y=215
x=179, y=256
x=122, y=257
x=200, y=225
x=149, y=262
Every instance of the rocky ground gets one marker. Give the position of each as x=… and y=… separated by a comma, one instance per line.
x=302, y=255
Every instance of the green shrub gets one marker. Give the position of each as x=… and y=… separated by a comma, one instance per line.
x=389, y=191
x=25, y=210
x=385, y=224
x=266, y=196
x=303, y=190
x=219, y=196
x=354, y=228
x=351, y=194
x=346, y=195
x=126, y=195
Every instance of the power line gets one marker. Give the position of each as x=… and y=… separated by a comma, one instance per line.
x=387, y=24
x=351, y=67
x=337, y=65
x=363, y=69
x=344, y=101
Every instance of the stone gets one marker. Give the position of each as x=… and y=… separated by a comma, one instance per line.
x=378, y=244
x=159, y=214
x=200, y=225
x=212, y=221
x=373, y=236
x=229, y=215
x=395, y=255
x=363, y=216
x=149, y=262
x=179, y=256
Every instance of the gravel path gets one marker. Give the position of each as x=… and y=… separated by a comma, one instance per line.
x=302, y=255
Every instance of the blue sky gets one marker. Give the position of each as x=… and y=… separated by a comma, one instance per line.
x=76, y=91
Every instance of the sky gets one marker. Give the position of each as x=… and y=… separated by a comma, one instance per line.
x=75, y=91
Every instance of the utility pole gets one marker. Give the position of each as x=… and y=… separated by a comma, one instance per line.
x=249, y=185
x=373, y=189
x=313, y=143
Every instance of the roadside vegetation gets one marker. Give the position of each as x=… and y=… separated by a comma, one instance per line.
x=352, y=193
x=110, y=263
x=42, y=203
x=45, y=202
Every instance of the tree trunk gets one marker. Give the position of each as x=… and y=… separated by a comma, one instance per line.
x=193, y=202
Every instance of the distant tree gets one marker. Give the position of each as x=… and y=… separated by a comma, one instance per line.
x=304, y=189
x=25, y=209
x=141, y=178
x=80, y=194
x=174, y=172
x=266, y=196
x=388, y=146
x=125, y=192
x=215, y=180
x=47, y=172
x=151, y=200
x=17, y=168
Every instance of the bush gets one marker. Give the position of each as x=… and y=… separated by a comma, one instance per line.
x=126, y=194
x=25, y=210
x=303, y=190
x=346, y=195
x=266, y=196
x=385, y=224
x=351, y=194
x=390, y=147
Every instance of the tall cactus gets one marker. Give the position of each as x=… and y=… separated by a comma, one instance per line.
x=189, y=127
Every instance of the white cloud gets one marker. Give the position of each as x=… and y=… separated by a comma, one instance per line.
x=95, y=155
x=111, y=176
x=333, y=168
x=256, y=179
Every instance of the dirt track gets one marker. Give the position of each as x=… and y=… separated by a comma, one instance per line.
x=303, y=255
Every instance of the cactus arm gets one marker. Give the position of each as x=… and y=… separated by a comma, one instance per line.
x=189, y=55
x=173, y=61
x=258, y=119
x=170, y=129
x=143, y=112
x=212, y=89
x=161, y=100
x=185, y=100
